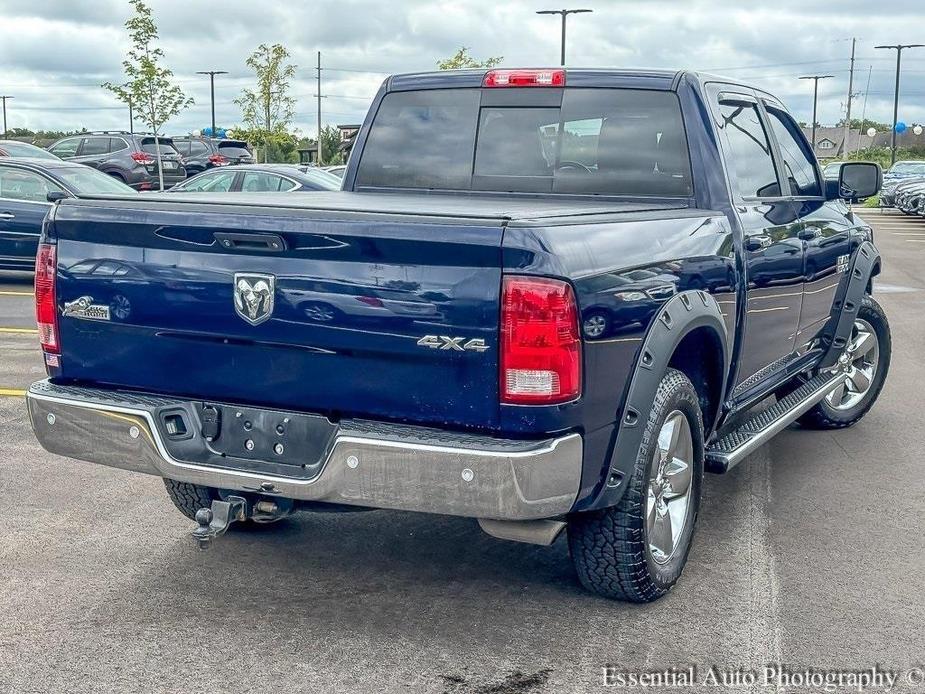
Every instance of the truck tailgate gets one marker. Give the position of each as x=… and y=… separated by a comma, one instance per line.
x=393, y=316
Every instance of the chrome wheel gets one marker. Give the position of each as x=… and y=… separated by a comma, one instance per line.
x=595, y=325
x=669, y=491
x=859, y=362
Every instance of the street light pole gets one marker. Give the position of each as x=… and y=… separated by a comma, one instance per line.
x=212, y=74
x=3, y=98
x=565, y=14
x=899, y=52
x=815, y=79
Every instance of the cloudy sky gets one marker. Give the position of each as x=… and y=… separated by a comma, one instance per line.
x=55, y=53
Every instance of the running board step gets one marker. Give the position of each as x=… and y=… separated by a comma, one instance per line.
x=730, y=450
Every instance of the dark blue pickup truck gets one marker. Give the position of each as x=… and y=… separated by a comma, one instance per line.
x=545, y=299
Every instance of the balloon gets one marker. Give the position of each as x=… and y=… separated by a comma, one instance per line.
x=900, y=128
x=917, y=129
x=871, y=132
x=197, y=133
x=207, y=132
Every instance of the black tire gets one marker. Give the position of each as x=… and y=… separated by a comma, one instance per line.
x=610, y=547
x=189, y=498
x=823, y=415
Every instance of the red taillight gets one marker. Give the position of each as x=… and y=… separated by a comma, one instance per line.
x=143, y=157
x=370, y=301
x=46, y=309
x=540, y=344
x=218, y=159
x=524, y=78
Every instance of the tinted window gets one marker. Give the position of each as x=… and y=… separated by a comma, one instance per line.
x=65, y=148
x=422, y=140
x=752, y=166
x=261, y=182
x=321, y=180
x=197, y=148
x=601, y=141
x=117, y=144
x=91, y=146
x=24, y=185
x=22, y=149
x=219, y=182
x=182, y=147
x=798, y=162
x=166, y=146
x=87, y=181
x=232, y=148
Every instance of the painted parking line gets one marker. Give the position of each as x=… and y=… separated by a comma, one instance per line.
x=11, y=392
x=7, y=293
x=20, y=331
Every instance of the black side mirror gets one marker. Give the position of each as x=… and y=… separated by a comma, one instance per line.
x=56, y=195
x=859, y=180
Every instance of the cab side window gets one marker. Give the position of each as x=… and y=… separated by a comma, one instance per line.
x=66, y=148
x=751, y=163
x=798, y=162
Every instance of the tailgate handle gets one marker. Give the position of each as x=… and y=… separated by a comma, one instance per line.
x=271, y=243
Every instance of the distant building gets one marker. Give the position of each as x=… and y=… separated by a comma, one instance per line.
x=830, y=142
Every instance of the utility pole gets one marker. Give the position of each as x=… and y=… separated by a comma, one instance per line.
x=565, y=14
x=319, y=108
x=815, y=79
x=212, y=74
x=870, y=70
x=899, y=53
x=4, y=98
x=131, y=117
x=850, y=95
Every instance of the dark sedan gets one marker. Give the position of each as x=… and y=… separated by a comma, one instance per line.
x=260, y=178
x=25, y=185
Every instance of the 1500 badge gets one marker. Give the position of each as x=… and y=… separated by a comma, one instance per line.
x=457, y=344
x=85, y=308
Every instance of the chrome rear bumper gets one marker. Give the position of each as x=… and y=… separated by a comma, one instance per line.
x=384, y=466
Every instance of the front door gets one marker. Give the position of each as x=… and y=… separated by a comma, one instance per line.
x=773, y=249
x=826, y=226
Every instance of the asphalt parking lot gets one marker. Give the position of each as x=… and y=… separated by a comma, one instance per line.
x=811, y=554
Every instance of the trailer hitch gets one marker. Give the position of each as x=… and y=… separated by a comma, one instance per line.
x=214, y=521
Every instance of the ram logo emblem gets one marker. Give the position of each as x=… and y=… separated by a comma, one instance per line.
x=253, y=296
x=453, y=344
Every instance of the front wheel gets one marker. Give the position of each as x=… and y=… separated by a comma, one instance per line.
x=866, y=360
x=636, y=550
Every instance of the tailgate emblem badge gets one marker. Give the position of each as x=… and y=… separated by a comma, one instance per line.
x=253, y=296
x=455, y=344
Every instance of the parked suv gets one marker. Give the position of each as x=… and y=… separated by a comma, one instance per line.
x=201, y=153
x=129, y=157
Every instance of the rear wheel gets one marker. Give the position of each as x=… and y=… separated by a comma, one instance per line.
x=636, y=550
x=866, y=360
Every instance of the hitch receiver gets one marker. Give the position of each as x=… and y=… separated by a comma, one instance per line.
x=214, y=521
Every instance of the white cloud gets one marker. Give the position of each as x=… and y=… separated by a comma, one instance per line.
x=54, y=53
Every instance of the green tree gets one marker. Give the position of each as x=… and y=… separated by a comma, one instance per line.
x=330, y=143
x=149, y=86
x=267, y=111
x=461, y=59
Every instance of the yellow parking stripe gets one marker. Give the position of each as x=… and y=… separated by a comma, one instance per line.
x=20, y=331
x=12, y=392
x=16, y=294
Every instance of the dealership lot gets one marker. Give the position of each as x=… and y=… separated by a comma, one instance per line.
x=809, y=554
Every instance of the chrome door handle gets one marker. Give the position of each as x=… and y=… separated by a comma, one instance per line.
x=7, y=216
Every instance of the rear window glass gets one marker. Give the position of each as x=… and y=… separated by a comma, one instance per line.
x=233, y=149
x=166, y=146
x=600, y=141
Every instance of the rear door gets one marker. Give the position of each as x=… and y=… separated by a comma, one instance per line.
x=353, y=314
x=23, y=206
x=93, y=151
x=773, y=249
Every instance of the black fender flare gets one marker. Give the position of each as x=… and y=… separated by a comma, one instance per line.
x=679, y=316
x=845, y=308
